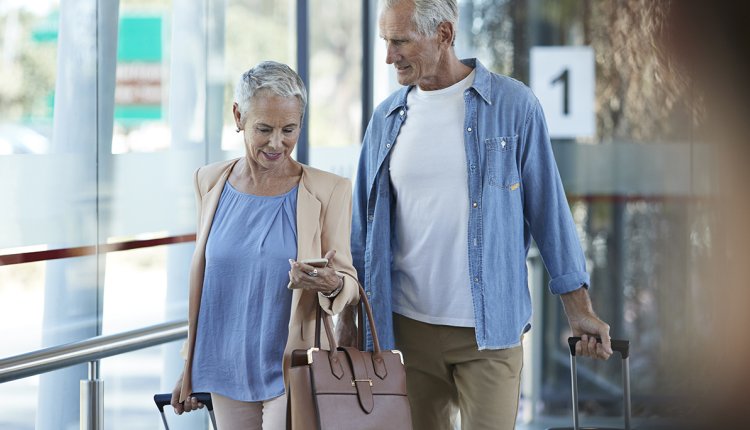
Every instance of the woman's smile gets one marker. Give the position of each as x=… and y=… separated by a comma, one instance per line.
x=272, y=156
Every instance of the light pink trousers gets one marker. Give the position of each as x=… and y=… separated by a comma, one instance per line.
x=237, y=415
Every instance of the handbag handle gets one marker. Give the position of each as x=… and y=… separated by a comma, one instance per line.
x=321, y=316
x=327, y=324
x=360, y=326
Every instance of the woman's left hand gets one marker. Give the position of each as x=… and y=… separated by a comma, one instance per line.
x=318, y=279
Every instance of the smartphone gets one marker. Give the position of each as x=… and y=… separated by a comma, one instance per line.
x=314, y=262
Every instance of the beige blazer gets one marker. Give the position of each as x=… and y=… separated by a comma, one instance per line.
x=324, y=209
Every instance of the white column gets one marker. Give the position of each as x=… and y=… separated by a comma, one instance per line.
x=72, y=289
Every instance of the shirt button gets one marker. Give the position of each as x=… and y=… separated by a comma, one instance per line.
x=368, y=294
x=469, y=129
x=401, y=113
x=389, y=145
x=502, y=143
x=475, y=280
x=475, y=204
x=370, y=217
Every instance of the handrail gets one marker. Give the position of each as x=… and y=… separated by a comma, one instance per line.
x=102, y=248
x=49, y=359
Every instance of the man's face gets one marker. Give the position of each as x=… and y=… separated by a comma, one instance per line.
x=416, y=57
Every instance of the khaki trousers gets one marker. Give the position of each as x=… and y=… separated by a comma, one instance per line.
x=237, y=415
x=446, y=372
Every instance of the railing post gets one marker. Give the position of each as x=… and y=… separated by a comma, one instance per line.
x=91, y=399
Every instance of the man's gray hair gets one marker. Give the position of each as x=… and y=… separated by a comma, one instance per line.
x=275, y=77
x=429, y=13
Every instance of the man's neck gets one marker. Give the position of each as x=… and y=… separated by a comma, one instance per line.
x=452, y=70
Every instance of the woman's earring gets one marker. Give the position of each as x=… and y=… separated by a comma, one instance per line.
x=238, y=129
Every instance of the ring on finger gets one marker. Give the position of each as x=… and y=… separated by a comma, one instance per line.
x=314, y=272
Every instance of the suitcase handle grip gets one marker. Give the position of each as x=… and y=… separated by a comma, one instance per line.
x=618, y=345
x=165, y=399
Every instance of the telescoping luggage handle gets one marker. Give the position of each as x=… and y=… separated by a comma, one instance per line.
x=162, y=400
x=621, y=346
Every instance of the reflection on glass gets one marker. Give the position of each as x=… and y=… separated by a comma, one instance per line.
x=21, y=308
x=131, y=380
x=335, y=85
x=336, y=73
x=255, y=31
x=28, y=48
x=28, y=52
x=134, y=280
x=142, y=78
x=19, y=398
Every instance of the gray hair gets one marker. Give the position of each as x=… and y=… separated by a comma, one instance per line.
x=275, y=77
x=428, y=14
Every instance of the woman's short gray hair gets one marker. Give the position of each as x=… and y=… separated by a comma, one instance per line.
x=428, y=14
x=275, y=77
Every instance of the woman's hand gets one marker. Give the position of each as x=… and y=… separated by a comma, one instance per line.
x=191, y=403
x=318, y=279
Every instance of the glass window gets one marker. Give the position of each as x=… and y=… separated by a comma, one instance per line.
x=132, y=379
x=335, y=85
x=255, y=31
x=97, y=156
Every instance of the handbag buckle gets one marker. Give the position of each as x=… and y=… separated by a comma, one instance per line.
x=361, y=380
x=310, y=354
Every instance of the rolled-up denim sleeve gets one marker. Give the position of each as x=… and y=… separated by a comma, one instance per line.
x=546, y=209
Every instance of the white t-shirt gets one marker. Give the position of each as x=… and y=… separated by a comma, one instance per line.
x=428, y=172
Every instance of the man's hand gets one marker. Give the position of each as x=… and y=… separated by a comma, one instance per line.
x=584, y=323
x=346, y=327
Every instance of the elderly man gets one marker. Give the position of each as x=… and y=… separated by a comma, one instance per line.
x=455, y=176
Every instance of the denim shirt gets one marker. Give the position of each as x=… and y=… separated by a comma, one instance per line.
x=515, y=192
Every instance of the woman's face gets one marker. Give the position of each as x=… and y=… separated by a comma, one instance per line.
x=270, y=128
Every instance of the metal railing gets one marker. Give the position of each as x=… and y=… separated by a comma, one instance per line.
x=89, y=351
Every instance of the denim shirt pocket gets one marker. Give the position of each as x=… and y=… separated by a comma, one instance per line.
x=501, y=162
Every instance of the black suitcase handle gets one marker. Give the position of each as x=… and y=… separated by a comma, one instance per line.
x=621, y=346
x=165, y=399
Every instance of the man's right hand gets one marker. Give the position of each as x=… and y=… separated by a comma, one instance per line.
x=584, y=323
x=346, y=327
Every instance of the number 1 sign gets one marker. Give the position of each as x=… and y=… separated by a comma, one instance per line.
x=562, y=77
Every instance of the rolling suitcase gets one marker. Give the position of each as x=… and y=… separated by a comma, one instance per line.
x=162, y=400
x=621, y=346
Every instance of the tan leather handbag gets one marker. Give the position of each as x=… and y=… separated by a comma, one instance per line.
x=346, y=388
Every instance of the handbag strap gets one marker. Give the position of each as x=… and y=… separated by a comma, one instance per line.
x=327, y=325
x=337, y=369
x=320, y=315
x=360, y=326
x=370, y=319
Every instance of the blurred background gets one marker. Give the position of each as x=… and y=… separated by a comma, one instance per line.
x=107, y=107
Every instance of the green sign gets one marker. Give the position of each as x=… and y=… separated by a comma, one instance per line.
x=139, y=39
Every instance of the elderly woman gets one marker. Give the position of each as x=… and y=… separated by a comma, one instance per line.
x=259, y=216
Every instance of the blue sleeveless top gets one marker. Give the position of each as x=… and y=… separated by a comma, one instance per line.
x=244, y=312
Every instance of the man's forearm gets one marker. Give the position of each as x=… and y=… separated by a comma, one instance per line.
x=577, y=302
